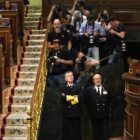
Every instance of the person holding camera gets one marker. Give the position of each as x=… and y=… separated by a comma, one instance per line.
x=73, y=37
x=56, y=13
x=80, y=5
x=90, y=32
x=84, y=65
x=71, y=95
x=58, y=61
x=60, y=34
x=117, y=36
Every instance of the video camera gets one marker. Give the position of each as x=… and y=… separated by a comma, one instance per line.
x=57, y=8
x=81, y=3
x=81, y=63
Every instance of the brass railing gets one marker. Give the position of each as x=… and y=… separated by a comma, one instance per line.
x=34, y=111
x=119, y=56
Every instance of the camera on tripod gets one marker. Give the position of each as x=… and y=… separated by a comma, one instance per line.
x=91, y=38
x=81, y=63
x=57, y=8
x=81, y=3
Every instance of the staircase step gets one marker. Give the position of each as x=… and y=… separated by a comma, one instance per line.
x=32, y=23
x=32, y=27
x=18, y=131
x=28, y=68
x=16, y=108
x=33, y=11
x=19, y=100
x=36, y=37
x=25, y=75
x=13, y=138
x=29, y=60
x=30, y=54
x=24, y=82
x=38, y=31
x=33, y=15
x=33, y=7
x=37, y=48
x=34, y=42
x=15, y=119
x=22, y=91
x=32, y=19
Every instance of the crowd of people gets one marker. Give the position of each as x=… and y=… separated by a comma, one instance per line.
x=78, y=42
x=79, y=33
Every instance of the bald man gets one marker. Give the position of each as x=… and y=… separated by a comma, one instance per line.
x=60, y=34
x=98, y=98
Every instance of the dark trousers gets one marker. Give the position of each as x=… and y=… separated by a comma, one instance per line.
x=75, y=123
x=101, y=128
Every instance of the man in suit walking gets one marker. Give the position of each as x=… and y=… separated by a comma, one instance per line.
x=71, y=95
x=98, y=98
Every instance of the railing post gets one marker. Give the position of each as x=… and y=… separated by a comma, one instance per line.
x=29, y=122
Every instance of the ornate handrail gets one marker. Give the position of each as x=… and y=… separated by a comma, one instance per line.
x=34, y=111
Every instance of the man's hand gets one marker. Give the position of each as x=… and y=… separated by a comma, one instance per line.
x=53, y=8
x=86, y=34
x=48, y=60
x=75, y=2
x=76, y=60
x=112, y=31
x=63, y=94
x=58, y=60
x=75, y=96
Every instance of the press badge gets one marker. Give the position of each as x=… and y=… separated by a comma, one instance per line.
x=104, y=92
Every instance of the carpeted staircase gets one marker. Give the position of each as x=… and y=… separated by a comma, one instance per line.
x=13, y=121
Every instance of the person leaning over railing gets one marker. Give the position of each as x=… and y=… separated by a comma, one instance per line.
x=84, y=66
x=7, y=5
x=58, y=60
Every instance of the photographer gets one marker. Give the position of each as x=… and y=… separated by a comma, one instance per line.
x=117, y=36
x=58, y=59
x=56, y=13
x=84, y=65
x=90, y=32
x=80, y=5
x=60, y=34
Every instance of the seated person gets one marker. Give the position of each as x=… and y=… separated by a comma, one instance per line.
x=85, y=8
x=59, y=60
x=1, y=22
x=7, y=5
x=84, y=65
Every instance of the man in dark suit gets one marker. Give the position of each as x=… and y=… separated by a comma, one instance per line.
x=98, y=98
x=71, y=95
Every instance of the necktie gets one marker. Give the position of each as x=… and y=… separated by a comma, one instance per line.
x=98, y=90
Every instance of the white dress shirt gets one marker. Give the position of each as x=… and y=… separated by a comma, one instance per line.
x=100, y=89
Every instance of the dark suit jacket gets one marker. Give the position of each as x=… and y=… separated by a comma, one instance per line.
x=69, y=110
x=98, y=105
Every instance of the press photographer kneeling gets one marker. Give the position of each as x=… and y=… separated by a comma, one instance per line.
x=58, y=61
x=84, y=66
